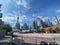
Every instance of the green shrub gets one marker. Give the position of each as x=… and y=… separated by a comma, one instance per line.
x=6, y=27
x=41, y=31
x=52, y=31
x=57, y=30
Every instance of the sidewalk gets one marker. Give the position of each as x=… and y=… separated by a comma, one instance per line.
x=6, y=41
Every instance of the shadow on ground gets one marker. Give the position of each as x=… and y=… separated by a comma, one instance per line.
x=10, y=43
x=7, y=43
x=26, y=44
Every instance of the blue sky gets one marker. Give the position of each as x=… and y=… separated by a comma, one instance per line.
x=29, y=10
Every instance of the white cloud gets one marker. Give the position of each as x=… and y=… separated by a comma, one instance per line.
x=21, y=24
x=12, y=19
x=25, y=17
x=8, y=18
x=39, y=16
x=8, y=1
x=47, y=17
x=58, y=11
x=23, y=3
x=33, y=15
x=32, y=19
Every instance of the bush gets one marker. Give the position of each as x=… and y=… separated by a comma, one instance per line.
x=38, y=31
x=52, y=31
x=6, y=27
x=57, y=30
x=41, y=31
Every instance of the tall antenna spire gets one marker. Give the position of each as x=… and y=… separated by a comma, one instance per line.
x=17, y=19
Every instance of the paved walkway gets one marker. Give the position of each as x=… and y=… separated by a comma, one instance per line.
x=37, y=38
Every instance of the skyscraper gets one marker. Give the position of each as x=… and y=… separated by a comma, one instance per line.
x=33, y=25
x=25, y=26
x=57, y=20
x=39, y=22
x=47, y=22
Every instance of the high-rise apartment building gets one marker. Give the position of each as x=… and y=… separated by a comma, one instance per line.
x=48, y=23
x=33, y=25
x=57, y=20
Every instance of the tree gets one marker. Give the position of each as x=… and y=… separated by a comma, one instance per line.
x=41, y=31
x=25, y=26
x=3, y=26
x=6, y=27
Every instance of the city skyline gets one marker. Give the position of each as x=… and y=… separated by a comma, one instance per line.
x=29, y=10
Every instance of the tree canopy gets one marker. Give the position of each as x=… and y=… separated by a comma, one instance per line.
x=6, y=27
x=57, y=30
